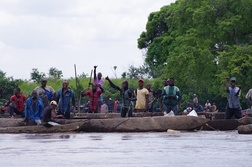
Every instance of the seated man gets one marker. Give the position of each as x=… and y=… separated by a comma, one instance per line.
x=198, y=108
x=207, y=106
x=213, y=107
x=50, y=113
x=17, y=103
x=33, y=109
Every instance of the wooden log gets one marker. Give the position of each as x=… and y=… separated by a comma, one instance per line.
x=145, y=124
x=245, y=120
x=221, y=124
x=41, y=129
x=132, y=124
x=245, y=129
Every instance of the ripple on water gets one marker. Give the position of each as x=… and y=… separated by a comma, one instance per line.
x=202, y=148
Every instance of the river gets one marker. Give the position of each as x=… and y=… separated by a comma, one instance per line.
x=174, y=149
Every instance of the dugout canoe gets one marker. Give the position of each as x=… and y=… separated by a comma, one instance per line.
x=245, y=129
x=71, y=127
x=132, y=124
x=143, y=124
x=221, y=125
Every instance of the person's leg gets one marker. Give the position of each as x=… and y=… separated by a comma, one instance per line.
x=18, y=113
x=67, y=115
x=168, y=108
x=123, y=112
x=11, y=110
x=165, y=108
x=130, y=112
x=175, y=109
x=97, y=110
x=228, y=113
x=89, y=110
x=237, y=113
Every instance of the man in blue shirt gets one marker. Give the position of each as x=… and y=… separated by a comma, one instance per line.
x=64, y=97
x=234, y=93
x=34, y=108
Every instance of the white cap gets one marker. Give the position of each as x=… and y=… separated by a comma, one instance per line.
x=53, y=102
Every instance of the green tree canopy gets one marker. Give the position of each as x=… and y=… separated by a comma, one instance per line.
x=200, y=42
x=7, y=85
x=55, y=73
x=36, y=76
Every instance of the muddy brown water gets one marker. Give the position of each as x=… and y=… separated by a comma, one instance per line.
x=178, y=149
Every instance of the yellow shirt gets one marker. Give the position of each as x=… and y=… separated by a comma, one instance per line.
x=141, y=98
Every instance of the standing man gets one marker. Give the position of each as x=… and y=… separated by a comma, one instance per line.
x=234, y=93
x=64, y=97
x=45, y=92
x=33, y=109
x=98, y=78
x=94, y=96
x=99, y=82
x=142, y=95
x=171, y=97
x=127, y=97
x=17, y=103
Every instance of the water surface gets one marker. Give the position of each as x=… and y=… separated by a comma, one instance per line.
x=178, y=149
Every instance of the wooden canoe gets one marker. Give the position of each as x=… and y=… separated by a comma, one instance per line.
x=221, y=125
x=72, y=127
x=137, y=124
x=245, y=129
x=144, y=124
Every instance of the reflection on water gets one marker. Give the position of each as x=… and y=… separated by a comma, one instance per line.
x=194, y=149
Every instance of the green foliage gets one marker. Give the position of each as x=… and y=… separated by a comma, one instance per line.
x=200, y=42
x=36, y=76
x=55, y=73
x=7, y=85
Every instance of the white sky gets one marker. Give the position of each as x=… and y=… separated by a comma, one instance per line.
x=60, y=33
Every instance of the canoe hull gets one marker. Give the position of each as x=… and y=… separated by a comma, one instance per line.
x=144, y=124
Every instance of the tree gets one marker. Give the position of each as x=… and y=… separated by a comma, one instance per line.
x=36, y=76
x=200, y=42
x=7, y=85
x=124, y=75
x=55, y=73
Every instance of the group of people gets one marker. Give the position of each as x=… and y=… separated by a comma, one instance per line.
x=196, y=106
x=42, y=104
x=45, y=104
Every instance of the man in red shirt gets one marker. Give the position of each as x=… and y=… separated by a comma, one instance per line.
x=17, y=103
x=94, y=96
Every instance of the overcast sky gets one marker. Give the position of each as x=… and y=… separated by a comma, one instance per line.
x=60, y=33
